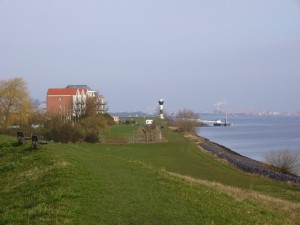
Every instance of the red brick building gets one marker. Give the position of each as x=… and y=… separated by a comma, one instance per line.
x=71, y=101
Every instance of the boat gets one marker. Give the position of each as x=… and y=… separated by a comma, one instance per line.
x=214, y=123
x=220, y=123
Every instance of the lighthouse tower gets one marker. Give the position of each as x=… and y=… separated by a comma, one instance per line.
x=161, y=108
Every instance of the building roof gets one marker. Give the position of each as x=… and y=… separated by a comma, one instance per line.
x=64, y=91
x=80, y=86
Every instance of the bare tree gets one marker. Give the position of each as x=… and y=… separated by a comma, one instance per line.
x=95, y=105
x=15, y=104
x=187, y=121
x=79, y=107
x=90, y=107
x=285, y=161
x=100, y=104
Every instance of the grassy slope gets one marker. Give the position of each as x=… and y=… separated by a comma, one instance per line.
x=181, y=155
x=125, y=184
x=33, y=188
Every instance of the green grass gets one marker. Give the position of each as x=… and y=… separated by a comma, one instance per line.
x=173, y=182
x=33, y=188
x=123, y=133
x=120, y=133
x=181, y=155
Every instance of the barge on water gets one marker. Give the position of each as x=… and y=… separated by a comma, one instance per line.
x=215, y=123
x=219, y=123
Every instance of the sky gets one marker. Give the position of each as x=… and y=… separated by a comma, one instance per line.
x=195, y=54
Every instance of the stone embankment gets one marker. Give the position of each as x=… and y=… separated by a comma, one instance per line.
x=245, y=163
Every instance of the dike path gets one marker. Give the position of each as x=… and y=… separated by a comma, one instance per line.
x=244, y=163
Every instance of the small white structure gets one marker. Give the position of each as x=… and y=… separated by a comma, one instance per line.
x=116, y=119
x=149, y=122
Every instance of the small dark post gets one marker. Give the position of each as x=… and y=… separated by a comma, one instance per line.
x=20, y=137
x=34, y=139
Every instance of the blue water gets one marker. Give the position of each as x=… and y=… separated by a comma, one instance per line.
x=254, y=136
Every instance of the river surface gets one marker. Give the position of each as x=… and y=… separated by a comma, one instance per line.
x=254, y=136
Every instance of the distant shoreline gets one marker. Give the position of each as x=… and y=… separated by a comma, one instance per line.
x=244, y=163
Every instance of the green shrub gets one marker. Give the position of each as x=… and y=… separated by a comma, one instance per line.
x=87, y=129
x=92, y=137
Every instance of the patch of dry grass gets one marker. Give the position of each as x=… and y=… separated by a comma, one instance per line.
x=289, y=209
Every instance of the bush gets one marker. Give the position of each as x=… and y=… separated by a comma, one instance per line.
x=87, y=130
x=130, y=121
x=78, y=134
x=109, y=119
x=92, y=137
x=187, y=121
x=64, y=133
x=285, y=161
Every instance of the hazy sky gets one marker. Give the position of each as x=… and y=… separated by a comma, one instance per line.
x=196, y=54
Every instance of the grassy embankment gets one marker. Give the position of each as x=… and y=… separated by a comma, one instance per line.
x=173, y=182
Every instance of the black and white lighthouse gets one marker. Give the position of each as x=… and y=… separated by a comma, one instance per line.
x=161, y=108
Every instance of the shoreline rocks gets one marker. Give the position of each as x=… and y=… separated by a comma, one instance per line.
x=244, y=163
